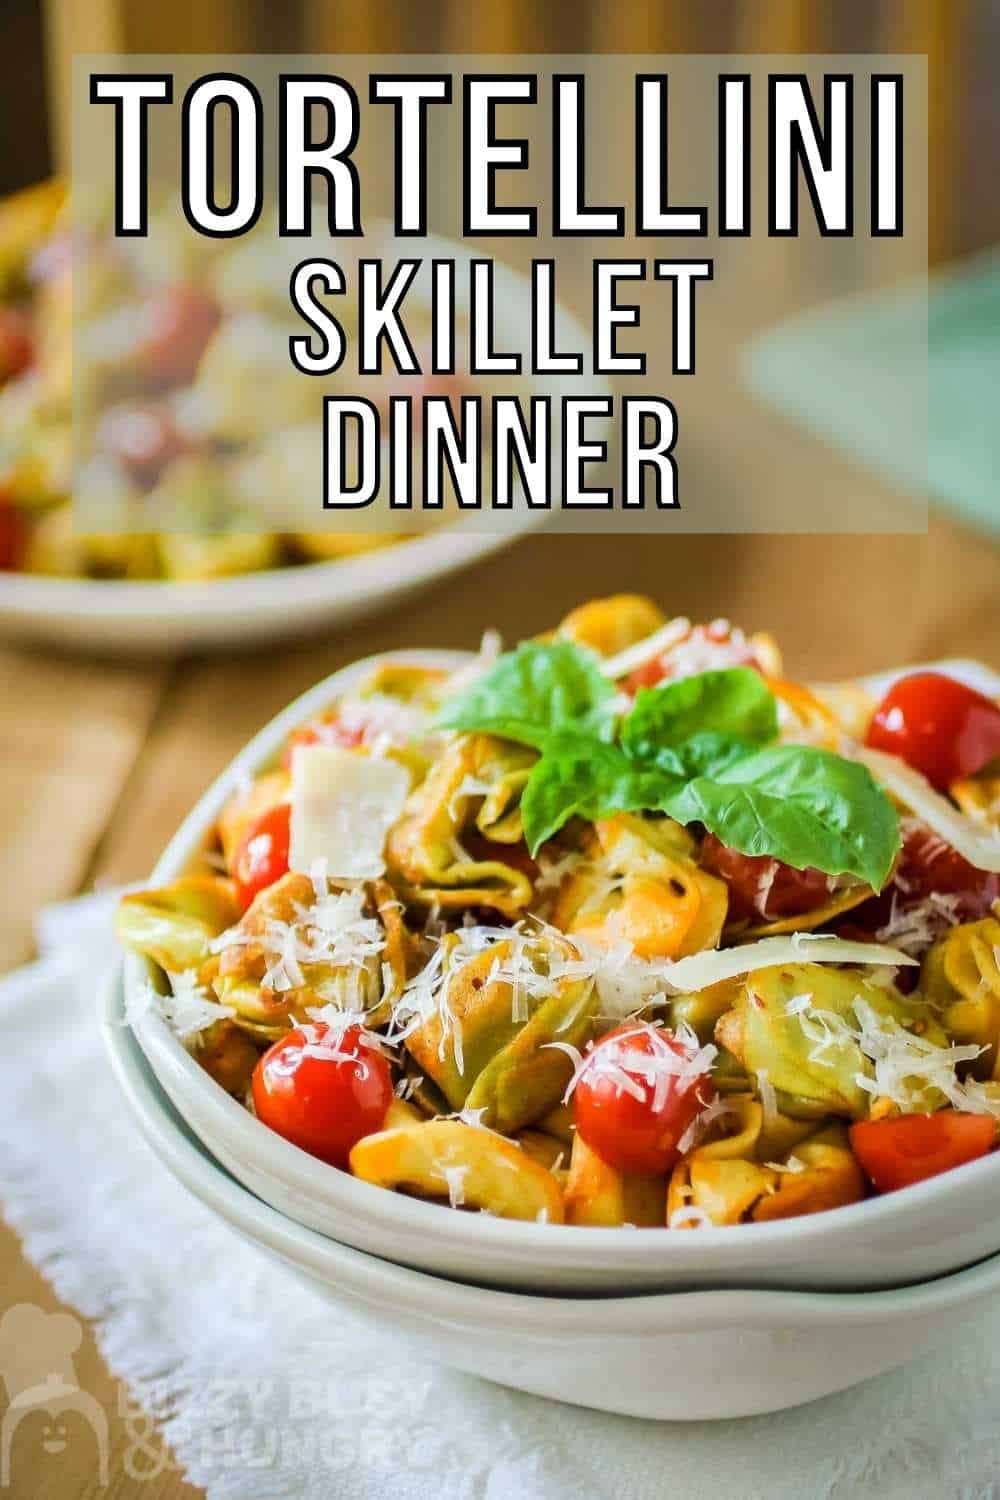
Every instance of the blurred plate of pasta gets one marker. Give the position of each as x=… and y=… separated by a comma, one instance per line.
x=161, y=457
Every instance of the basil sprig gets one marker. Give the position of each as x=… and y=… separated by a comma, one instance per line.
x=701, y=750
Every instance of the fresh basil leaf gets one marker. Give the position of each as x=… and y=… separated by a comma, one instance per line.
x=580, y=776
x=804, y=806
x=532, y=692
x=735, y=707
x=704, y=754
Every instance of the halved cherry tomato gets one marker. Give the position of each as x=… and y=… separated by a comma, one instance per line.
x=761, y=888
x=454, y=387
x=706, y=647
x=928, y=866
x=261, y=855
x=895, y=1153
x=13, y=535
x=174, y=326
x=327, y=729
x=323, y=1091
x=144, y=439
x=938, y=726
x=17, y=347
x=637, y=1095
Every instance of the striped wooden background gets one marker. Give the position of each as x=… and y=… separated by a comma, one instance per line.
x=959, y=36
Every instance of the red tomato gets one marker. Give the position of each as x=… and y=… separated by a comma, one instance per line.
x=325, y=730
x=417, y=386
x=761, y=888
x=17, y=347
x=13, y=535
x=144, y=439
x=261, y=855
x=928, y=866
x=323, y=1103
x=637, y=1095
x=706, y=648
x=174, y=327
x=938, y=726
x=896, y=1153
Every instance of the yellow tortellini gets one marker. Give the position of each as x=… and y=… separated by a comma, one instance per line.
x=270, y=990
x=176, y=924
x=610, y=625
x=757, y=1173
x=471, y=791
x=469, y=1167
x=641, y=886
x=796, y=1026
x=487, y=1047
x=961, y=975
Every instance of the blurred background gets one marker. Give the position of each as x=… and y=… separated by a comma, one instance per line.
x=961, y=37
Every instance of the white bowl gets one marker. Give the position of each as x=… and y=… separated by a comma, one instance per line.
x=160, y=617
x=935, y=1227
x=241, y=612
x=687, y=1355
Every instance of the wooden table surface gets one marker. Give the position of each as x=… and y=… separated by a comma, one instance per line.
x=100, y=760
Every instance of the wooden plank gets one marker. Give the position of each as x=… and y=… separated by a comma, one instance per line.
x=72, y=732
x=74, y=1472
x=74, y=26
x=839, y=605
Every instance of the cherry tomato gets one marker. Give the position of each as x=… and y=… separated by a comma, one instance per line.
x=896, y=1153
x=174, y=327
x=323, y=1091
x=144, y=439
x=261, y=855
x=13, y=536
x=327, y=729
x=938, y=726
x=761, y=888
x=637, y=1095
x=928, y=866
x=705, y=648
x=17, y=347
x=417, y=386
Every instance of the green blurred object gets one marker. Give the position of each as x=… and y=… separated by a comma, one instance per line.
x=851, y=373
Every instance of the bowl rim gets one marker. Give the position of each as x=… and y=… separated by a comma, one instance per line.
x=575, y=1247
x=416, y=558
x=640, y=1313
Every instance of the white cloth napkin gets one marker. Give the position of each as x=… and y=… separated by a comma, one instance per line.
x=264, y=1390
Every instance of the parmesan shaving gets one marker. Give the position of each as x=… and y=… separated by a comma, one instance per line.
x=343, y=805
x=654, y=645
x=976, y=843
x=700, y=970
x=768, y=1100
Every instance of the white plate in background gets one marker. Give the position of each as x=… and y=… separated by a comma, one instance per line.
x=252, y=609
x=247, y=610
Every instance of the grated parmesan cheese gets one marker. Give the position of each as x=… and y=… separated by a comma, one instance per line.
x=187, y=1010
x=689, y=1217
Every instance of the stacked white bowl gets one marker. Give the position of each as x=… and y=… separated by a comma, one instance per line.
x=683, y=1324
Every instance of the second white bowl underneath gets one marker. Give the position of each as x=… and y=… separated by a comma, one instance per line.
x=709, y=1354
